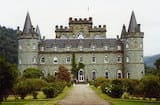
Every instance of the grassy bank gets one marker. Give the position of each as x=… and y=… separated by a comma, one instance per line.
x=40, y=101
x=114, y=101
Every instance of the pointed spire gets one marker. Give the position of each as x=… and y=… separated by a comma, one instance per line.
x=123, y=33
x=132, y=24
x=37, y=30
x=28, y=25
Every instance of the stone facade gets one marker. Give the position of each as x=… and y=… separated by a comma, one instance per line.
x=120, y=57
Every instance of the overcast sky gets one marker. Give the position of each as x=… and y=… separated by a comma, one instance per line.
x=112, y=13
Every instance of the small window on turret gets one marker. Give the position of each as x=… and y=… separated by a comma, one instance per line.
x=127, y=59
x=141, y=45
x=127, y=46
x=34, y=60
x=20, y=61
x=141, y=59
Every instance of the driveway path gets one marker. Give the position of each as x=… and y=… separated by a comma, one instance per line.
x=82, y=94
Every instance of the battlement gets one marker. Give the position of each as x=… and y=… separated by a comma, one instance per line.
x=99, y=28
x=61, y=28
x=80, y=20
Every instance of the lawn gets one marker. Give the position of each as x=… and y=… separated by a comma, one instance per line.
x=40, y=101
x=114, y=101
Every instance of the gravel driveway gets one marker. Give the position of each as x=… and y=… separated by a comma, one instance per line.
x=82, y=94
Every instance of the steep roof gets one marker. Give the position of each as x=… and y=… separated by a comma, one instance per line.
x=132, y=24
x=28, y=25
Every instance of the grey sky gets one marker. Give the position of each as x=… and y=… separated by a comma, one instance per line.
x=113, y=13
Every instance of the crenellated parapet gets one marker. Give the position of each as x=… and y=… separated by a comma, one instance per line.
x=80, y=20
x=62, y=29
x=99, y=28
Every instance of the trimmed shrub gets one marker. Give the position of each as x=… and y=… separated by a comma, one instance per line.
x=49, y=91
x=99, y=81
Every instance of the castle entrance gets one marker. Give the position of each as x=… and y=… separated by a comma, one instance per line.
x=81, y=75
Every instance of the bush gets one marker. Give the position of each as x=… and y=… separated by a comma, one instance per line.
x=32, y=73
x=99, y=81
x=106, y=88
x=48, y=91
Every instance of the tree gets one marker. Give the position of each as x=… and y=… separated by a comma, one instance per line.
x=63, y=74
x=8, y=75
x=157, y=63
x=74, y=69
x=32, y=73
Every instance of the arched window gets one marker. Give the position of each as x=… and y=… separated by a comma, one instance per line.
x=93, y=75
x=55, y=48
x=127, y=59
x=34, y=60
x=55, y=73
x=127, y=46
x=106, y=74
x=20, y=61
x=81, y=59
x=119, y=59
x=42, y=60
x=106, y=59
x=119, y=74
x=128, y=75
x=55, y=60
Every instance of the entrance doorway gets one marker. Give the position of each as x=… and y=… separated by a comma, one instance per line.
x=81, y=75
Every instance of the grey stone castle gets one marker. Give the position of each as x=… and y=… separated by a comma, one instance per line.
x=120, y=57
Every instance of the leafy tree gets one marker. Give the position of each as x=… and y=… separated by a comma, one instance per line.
x=63, y=74
x=8, y=75
x=8, y=44
x=32, y=73
x=157, y=63
x=74, y=69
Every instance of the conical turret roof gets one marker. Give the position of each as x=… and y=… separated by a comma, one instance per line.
x=28, y=25
x=132, y=24
x=123, y=33
x=37, y=30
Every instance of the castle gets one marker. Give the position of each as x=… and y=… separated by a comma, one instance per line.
x=120, y=57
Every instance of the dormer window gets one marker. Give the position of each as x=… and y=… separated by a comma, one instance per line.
x=68, y=48
x=105, y=47
x=93, y=47
x=118, y=47
x=80, y=48
x=55, y=60
x=80, y=35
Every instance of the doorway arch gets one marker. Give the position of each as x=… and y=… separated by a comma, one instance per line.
x=81, y=75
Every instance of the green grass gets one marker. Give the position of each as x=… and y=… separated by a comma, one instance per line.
x=40, y=101
x=114, y=101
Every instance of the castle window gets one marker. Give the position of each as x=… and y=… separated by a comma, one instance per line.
x=128, y=75
x=55, y=60
x=106, y=59
x=141, y=45
x=105, y=47
x=119, y=74
x=127, y=59
x=127, y=46
x=81, y=59
x=20, y=47
x=97, y=37
x=68, y=59
x=93, y=47
x=42, y=60
x=118, y=47
x=20, y=61
x=93, y=59
x=141, y=59
x=119, y=59
x=68, y=48
x=55, y=73
x=34, y=60
x=93, y=75
x=106, y=74
x=55, y=48
x=34, y=46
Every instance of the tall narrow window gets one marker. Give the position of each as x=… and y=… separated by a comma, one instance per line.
x=106, y=74
x=55, y=73
x=93, y=59
x=20, y=61
x=119, y=74
x=55, y=60
x=127, y=59
x=106, y=59
x=119, y=59
x=34, y=46
x=141, y=59
x=128, y=75
x=93, y=75
x=20, y=47
x=68, y=59
x=141, y=45
x=42, y=60
x=127, y=46
x=55, y=48
x=42, y=48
